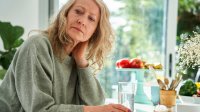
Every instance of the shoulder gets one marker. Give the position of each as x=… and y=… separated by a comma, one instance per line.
x=36, y=47
x=39, y=43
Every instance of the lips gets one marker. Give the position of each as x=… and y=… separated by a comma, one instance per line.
x=78, y=29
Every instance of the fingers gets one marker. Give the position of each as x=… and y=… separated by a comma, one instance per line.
x=79, y=54
x=120, y=107
x=80, y=49
x=85, y=44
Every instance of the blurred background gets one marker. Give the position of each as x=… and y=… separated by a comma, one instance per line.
x=146, y=29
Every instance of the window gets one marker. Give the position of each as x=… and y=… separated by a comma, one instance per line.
x=188, y=21
x=143, y=29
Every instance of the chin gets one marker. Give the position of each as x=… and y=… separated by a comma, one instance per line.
x=79, y=37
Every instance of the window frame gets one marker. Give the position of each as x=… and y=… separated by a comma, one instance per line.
x=171, y=30
x=170, y=33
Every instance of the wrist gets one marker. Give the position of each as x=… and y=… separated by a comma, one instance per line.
x=88, y=108
x=82, y=64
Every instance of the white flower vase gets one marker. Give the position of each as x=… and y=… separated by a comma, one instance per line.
x=197, y=75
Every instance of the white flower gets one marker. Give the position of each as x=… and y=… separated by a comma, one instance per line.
x=189, y=51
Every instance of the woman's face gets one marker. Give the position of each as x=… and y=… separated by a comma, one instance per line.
x=82, y=20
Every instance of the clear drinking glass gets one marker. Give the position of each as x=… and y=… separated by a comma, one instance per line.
x=155, y=95
x=126, y=92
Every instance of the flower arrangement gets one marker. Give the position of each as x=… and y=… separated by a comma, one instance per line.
x=189, y=51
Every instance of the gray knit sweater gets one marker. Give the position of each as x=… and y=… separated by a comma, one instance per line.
x=37, y=82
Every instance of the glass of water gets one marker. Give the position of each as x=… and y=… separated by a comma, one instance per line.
x=126, y=92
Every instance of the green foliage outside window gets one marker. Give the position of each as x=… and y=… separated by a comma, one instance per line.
x=188, y=21
x=140, y=34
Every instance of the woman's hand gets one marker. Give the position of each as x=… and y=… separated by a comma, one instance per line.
x=79, y=52
x=106, y=108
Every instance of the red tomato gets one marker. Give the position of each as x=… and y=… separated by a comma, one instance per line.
x=117, y=63
x=123, y=63
x=136, y=63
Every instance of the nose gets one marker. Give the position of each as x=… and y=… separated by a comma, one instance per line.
x=81, y=21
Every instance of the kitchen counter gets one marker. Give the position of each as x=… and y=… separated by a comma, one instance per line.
x=186, y=107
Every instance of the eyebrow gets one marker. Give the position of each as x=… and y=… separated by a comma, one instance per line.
x=80, y=6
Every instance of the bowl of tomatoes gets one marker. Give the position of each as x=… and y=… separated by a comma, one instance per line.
x=136, y=63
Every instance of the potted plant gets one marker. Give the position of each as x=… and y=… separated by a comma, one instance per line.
x=188, y=21
x=190, y=92
x=10, y=36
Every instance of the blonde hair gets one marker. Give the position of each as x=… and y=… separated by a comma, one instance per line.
x=100, y=44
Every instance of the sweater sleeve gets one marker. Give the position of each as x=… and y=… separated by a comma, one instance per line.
x=33, y=71
x=89, y=89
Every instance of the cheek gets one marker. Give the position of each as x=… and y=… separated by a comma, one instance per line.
x=70, y=19
x=67, y=27
x=91, y=31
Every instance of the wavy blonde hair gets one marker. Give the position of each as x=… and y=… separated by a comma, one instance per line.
x=100, y=44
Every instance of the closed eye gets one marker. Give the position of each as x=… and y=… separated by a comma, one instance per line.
x=78, y=11
x=91, y=19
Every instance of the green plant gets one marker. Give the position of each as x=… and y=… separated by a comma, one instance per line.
x=189, y=88
x=189, y=51
x=10, y=36
x=188, y=16
x=2, y=73
x=188, y=21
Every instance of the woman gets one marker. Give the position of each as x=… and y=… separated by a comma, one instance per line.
x=51, y=70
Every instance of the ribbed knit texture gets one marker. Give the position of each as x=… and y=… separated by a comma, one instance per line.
x=37, y=82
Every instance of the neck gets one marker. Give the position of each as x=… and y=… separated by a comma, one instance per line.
x=69, y=48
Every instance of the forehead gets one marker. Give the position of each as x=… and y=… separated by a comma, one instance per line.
x=89, y=5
